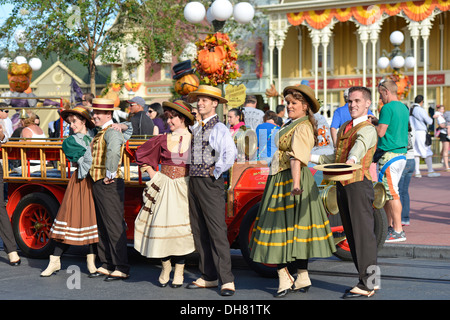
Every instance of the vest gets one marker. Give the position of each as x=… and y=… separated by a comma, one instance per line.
x=345, y=142
x=98, y=169
x=203, y=155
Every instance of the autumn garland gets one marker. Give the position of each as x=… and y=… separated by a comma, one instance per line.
x=403, y=84
x=216, y=60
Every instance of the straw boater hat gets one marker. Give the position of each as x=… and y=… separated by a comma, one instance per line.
x=308, y=93
x=209, y=91
x=103, y=104
x=182, y=107
x=338, y=171
x=81, y=111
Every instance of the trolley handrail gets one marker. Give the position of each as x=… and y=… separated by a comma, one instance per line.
x=44, y=151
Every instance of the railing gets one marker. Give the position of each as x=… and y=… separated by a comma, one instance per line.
x=40, y=153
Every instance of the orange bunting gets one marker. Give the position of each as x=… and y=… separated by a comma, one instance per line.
x=443, y=5
x=132, y=86
x=418, y=10
x=392, y=9
x=296, y=18
x=115, y=86
x=343, y=14
x=415, y=10
x=319, y=18
x=367, y=14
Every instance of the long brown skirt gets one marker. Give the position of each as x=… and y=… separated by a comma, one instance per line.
x=75, y=223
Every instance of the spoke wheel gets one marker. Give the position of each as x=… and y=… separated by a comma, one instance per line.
x=32, y=221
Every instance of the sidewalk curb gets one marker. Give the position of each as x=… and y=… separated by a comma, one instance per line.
x=414, y=251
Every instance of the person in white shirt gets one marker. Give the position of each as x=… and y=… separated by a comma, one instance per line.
x=6, y=122
x=420, y=121
x=213, y=152
x=443, y=134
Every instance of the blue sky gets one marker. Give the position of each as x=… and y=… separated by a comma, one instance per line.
x=5, y=10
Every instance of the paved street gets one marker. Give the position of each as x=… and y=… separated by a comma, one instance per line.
x=413, y=271
x=401, y=279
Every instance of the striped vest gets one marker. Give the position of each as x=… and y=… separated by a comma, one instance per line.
x=98, y=169
x=203, y=155
x=345, y=142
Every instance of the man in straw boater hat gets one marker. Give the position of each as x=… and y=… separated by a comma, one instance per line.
x=108, y=191
x=213, y=152
x=356, y=144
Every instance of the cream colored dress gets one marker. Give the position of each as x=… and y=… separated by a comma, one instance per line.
x=162, y=227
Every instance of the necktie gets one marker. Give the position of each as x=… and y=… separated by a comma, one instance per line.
x=348, y=127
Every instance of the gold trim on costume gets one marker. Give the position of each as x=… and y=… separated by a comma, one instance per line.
x=280, y=244
x=283, y=183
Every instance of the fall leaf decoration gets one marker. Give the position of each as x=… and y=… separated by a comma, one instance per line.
x=403, y=84
x=216, y=60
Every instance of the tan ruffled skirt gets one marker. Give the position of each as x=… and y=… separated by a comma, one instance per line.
x=162, y=227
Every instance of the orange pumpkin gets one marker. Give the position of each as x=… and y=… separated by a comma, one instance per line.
x=212, y=61
x=19, y=76
x=186, y=84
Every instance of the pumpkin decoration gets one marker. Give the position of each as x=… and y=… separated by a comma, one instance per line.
x=112, y=95
x=216, y=61
x=211, y=61
x=186, y=84
x=19, y=76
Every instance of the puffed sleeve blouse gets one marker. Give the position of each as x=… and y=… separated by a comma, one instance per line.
x=77, y=149
x=172, y=149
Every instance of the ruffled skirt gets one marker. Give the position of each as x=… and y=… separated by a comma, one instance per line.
x=289, y=227
x=76, y=222
x=162, y=227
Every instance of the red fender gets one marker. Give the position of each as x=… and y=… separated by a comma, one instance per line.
x=23, y=189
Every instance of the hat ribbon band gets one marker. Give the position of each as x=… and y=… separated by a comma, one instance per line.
x=180, y=105
x=99, y=105
x=180, y=71
x=81, y=110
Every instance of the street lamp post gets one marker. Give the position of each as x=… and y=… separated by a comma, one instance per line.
x=219, y=12
x=396, y=59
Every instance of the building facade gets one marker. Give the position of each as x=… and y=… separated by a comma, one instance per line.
x=336, y=44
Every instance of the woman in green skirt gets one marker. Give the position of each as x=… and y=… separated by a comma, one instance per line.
x=292, y=225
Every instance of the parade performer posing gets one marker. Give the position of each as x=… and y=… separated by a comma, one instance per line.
x=291, y=225
x=213, y=153
x=108, y=192
x=6, y=232
x=162, y=228
x=356, y=143
x=75, y=223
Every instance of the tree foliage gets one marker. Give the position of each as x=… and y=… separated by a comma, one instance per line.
x=87, y=30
